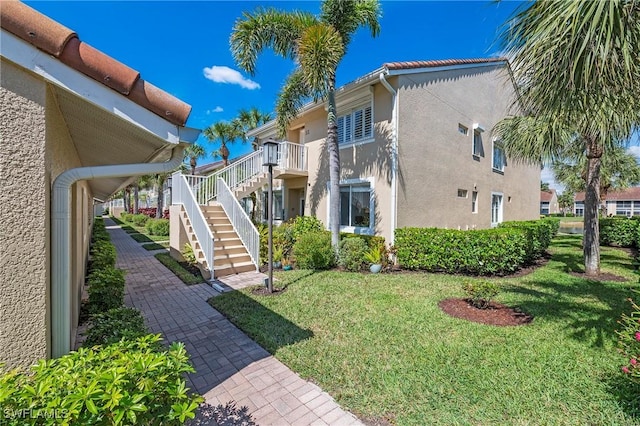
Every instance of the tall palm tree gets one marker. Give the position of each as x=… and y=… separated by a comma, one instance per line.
x=194, y=152
x=317, y=44
x=223, y=133
x=576, y=64
x=249, y=119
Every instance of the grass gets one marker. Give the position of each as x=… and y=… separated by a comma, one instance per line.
x=380, y=345
x=155, y=246
x=180, y=272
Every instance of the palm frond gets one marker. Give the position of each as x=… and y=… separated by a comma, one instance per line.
x=346, y=16
x=292, y=96
x=320, y=49
x=267, y=29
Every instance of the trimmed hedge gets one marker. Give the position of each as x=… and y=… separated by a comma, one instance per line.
x=477, y=252
x=619, y=231
x=129, y=382
x=158, y=227
x=351, y=253
x=314, y=251
x=106, y=289
x=114, y=325
x=539, y=234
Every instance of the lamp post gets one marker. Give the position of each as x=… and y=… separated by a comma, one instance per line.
x=270, y=159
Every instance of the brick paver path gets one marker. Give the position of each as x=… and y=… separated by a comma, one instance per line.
x=229, y=365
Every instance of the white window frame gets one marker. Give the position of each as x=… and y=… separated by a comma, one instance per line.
x=474, y=202
x=477, y=129
x=351, y=111
x=370, y=230
x=500, y=212
x=578, y=206
x=497, y=143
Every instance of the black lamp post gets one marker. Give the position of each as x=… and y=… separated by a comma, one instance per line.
x=270, y=158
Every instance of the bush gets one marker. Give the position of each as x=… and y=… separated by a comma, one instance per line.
x=129, y=382
x=351, y=253
x=314, y=251
x=629, y=342
x=302, y=225
x=139, y=219
x=620, y=232
x=481, y=252
x=103, y=255
x=480, y=293
x=115, y=324
x=188, y=255
x=106, y=289
x=539, y=234
x=158, y=227
x=127, y=217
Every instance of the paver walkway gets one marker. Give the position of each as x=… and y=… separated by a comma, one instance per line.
x=229, y=365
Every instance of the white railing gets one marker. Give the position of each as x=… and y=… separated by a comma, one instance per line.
x=292, y=156
x=182, y=194
x=240, y=220
x=203, y=188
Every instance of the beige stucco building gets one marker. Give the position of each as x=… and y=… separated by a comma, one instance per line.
x=416, y=149
x=75, y=126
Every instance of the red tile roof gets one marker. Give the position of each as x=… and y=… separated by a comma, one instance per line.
x=63, y=43
x=439, y=63
x=547, y=195
x=629, y=194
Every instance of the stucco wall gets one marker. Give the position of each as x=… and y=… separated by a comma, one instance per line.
x=435, y=159
x=24, y=228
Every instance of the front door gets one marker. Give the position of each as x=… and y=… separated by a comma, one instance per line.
x=496, y=209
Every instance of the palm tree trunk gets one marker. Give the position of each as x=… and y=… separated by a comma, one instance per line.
x=591, y=244
x=224, y=153
x=192, y=162
x=334, y=167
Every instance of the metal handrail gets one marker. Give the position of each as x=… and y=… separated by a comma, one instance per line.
x=241, y=222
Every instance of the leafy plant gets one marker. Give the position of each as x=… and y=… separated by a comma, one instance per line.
x=351, y=253
x=129, y=382
x=314, y=251
x=277, y=253
x=139, y=219
x=186, y=276
x=375, y=255
x=188, y=254
x=620, y=232
x=305, y=224
x=106, y=289
x=158, y=227
x=480, y=292
x=115, y=324
x=629, y=342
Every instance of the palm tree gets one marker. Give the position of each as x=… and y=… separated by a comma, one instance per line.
x=224, y=133
x=577, y=68
x=194, y=152
x=249, y=119
x=317, y=44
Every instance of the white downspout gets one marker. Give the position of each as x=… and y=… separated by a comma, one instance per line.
x=61, y=237
x=394, y=154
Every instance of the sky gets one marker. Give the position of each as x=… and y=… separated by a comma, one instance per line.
x=183, y=47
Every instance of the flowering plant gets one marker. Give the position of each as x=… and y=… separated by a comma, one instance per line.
x=629, y=342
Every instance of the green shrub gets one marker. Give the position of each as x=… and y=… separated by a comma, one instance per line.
x=313, y=251
x=377, y=255
x=618, y=231
x=158, y=227
x=351, y=253
x=106, y=289
x=539, y=234
x=139, y=219
x=127, y=217
x=371, y=240
x=304, y=225
x=480, y=293
x=637, y=240
x=129, y=382
x=629, y=343
x=188, y=255
x=477, y=252
x=103, y=254
x=115, y=324
x=283, y=237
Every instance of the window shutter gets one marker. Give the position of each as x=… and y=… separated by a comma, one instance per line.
x=358, y=125
x=340, y=129
x=368, y=122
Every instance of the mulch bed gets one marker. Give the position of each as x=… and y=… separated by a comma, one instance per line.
x=192, y=269
x=602, y=276
x=495, y=314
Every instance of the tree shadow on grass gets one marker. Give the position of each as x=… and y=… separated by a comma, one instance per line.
x=626, y=393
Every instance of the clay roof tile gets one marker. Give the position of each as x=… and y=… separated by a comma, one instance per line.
x=160, y=102
x=439, y=63
x=35, y=28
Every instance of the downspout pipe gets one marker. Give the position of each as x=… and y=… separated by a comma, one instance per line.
x=61, y=237
x=394, y=153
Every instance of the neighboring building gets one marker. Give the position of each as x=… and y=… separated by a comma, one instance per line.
x=549, y=202
x=73, y=121
x=451, y=171
x=624, y=202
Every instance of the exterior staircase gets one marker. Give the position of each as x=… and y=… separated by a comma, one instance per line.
x=221, y=234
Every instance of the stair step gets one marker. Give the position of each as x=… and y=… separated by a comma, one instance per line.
x=221, y=259
x=223, y=270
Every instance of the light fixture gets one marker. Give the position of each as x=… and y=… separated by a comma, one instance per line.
x=270, y=159
x=270, y=153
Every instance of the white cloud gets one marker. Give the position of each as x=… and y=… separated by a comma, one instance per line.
x=216, y=109
x=227, y=75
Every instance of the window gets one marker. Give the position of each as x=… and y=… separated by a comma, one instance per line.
x=579, y=208
x=498, y=157
x=496, y=209
x=624, y=208
x=278, y=210
x=462, y=193
x=356, y=205
x=544, y=207
x=477, y=142
x=356, y=126
x=474, y=202
x=463, y=130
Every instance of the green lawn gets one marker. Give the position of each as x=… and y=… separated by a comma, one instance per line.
x=155, y=246
x=174, y=266
x=380, y=345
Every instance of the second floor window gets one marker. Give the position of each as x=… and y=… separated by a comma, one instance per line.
x=498, y=157
x=356, y=126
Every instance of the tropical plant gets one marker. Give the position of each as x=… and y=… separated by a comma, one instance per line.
x=619, y=170
x=194, y=152
x=223, y=133
x=544, y=186
x=480, y=292
x=629, y=342
x=576, y=65
x=317, y=44
x=351, y=253
x=249, y=119
x=565, y=201
x=375, y=255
